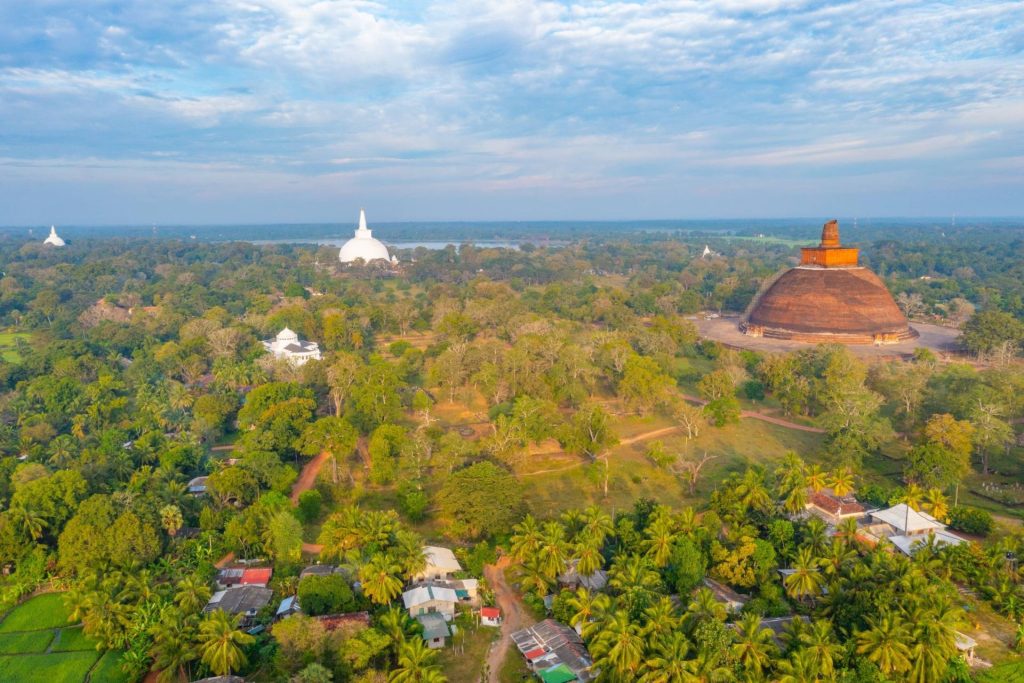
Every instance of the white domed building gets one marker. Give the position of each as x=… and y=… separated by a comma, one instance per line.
x=287, y=346
x=363, y=246
x=54, y=239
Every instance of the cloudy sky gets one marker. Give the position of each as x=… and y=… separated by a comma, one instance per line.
x=203, y=111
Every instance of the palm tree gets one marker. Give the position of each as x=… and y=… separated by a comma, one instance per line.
x=796, y=500
x=821, y=647
x=533, y=579
x=703, y=606
x=752, y=492
x=912, y=496
x=172, y=650
x=669, y=665
x=553, y=551
x=171, y=519
x=799, y=668
x=395, y=622
x=817, y=478
x=660, y=619
x=191, y=593
x=936, y=504
x=416, y=664
x=379, y=579
x=806, y=579
x=885, y=643
x=588, y=609
x=618, y=647
x=816, y=535
x=660, y=537
x=597, y=525
x=842, y=481
x=221, y=643
x=30, y=521
x=753, y=648
x=526, y=539
x=588, y=558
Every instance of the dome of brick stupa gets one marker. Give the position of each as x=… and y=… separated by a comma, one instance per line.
x=829, y=297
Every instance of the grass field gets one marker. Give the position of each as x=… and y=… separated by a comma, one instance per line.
x=464, y=657
x=25, y=642
x=56, y=667
x=9, y=345
x=41, y=612
x=37, y=645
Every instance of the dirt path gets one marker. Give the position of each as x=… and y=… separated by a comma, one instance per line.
x=307, y=478
x=513, y=612
x=754, y=415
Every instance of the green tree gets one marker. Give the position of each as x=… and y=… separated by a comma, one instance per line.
x=481, y=499
x=286, y=537
x=331, y=434
x=589, y=433
x=325, y=595
x=221, y=643
x=986, y=331
x=379, y=579
x=416, y=664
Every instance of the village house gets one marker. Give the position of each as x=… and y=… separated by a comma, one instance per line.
x=435, y=630
x=572, y=579
x=490, y=616
x=243, y=576
x=244, y=600
x=833, y=509
x=906, y=528
x=430, y=599
x=288, y=607
x=440, y=564
x=732, y=600
x=550, y=648
x=197, y=486
x=319, y=570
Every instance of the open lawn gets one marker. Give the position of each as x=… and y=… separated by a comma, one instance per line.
x=108, y=669
x=9, y=345
x=57, y=667
x=43, y=611
x=514, y=669
x=576, y=483
x=72, y=639
x=466, y=654
x=25, y=642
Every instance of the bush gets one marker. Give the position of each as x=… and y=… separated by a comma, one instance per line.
x=753, y=390
x=873, y=494
x=412, y=501
x=325, y=595
x=310, y=503
x=971, y=520
x=397, y=348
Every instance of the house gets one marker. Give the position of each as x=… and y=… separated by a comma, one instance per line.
x=435, y=630
x=731, y=599
x=441, y=564
x=906, y=528
x=466, y=590
x=197, y=486
x=287, y=346
x=833, y=509
x=244, y=600
x=965, y=645
x=241, y=576
x=571, y=578
x=430, y=599
x=549, y=645
x=288, y=607
x=490, y=616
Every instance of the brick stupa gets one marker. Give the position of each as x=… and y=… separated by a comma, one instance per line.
x=829, y=297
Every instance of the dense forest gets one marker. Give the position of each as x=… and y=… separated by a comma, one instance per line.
x=453, y=390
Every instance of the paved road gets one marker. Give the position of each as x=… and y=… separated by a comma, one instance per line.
x=514, y=614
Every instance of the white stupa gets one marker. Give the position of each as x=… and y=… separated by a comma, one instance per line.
x=363, y=245
x=54, y=239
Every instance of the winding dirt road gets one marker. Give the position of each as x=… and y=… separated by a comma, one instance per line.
x=513, y=612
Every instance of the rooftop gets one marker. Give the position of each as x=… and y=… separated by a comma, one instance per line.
x=434, y=626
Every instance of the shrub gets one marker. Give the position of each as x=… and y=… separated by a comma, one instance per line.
x=412, y=501
x=325, y=595
x=397, y=348
x=971, y=520
x=753, y=390
x=873, y=494
x=310, y=503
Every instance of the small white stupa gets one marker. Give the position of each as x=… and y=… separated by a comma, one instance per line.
x=287, y=346
x=363, y=246
x=54, y=239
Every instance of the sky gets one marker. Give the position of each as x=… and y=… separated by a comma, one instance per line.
x=266, y=111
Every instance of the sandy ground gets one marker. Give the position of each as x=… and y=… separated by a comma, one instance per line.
x=941, y=340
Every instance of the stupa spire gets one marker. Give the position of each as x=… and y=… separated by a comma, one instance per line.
x=830, y=234
x=362, y=221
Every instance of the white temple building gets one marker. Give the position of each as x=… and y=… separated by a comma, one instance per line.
x=363, y=246
x=287, y=346
x=54, y=239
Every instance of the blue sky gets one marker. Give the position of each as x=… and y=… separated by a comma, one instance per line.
x=204, y=111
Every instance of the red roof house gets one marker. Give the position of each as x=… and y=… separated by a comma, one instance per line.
x=490, y=616
x=256, y=576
